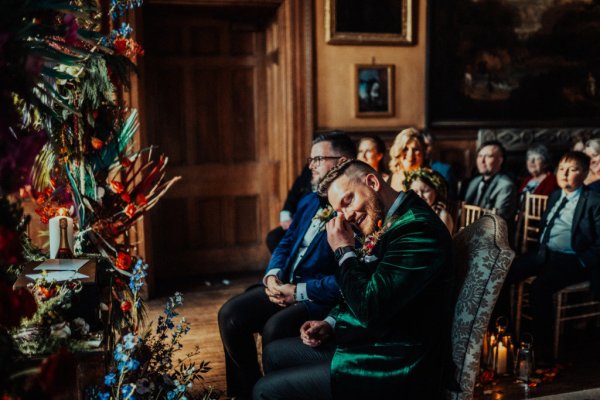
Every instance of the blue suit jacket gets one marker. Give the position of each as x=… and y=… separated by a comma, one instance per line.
x=318, y=265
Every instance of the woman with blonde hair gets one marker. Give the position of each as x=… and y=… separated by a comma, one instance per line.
x=406, y=155
x=592, y=149
x=431, y=187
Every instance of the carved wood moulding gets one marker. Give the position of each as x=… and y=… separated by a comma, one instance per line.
x=514, y=139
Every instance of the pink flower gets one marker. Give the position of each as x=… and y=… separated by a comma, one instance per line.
x=71, y=32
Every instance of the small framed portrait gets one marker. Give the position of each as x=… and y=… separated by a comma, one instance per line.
x=360, y=22
x=374, y=90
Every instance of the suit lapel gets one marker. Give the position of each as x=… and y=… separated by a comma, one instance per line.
x=301, y=231
x=485, y=201
x=472, y=193
x=579, y=211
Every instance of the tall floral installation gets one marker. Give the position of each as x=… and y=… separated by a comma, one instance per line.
x=68, y=142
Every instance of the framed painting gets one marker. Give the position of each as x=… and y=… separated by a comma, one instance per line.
x=374, y=90
x=362, y=22
x=513, y=63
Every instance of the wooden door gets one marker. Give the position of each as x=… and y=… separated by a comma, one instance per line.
x=205, y=108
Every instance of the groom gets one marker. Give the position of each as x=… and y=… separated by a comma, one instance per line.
x=390, y=337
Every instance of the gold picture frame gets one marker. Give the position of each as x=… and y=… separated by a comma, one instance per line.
x=374, y=90
x=362, y=22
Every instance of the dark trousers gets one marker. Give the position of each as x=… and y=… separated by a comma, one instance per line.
x=242, y=316
x=553, y=272
x=294, y=371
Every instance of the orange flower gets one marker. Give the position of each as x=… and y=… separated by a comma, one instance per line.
x=130, y=210
x=97, y=143
x=140, y=199
x=117, y=187
x=47, y=292
x=125, y=306
x=123, y=261
x=126, y=198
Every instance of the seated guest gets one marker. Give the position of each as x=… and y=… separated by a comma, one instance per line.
x=443, y=169
x=540, y=180
x=569, y=249
x=299, y=283
x=371, y=150
x=392, y=331
x=406, y=155
x=302, y=185
x=430, y=186
x=592, y=149
x=492, y=188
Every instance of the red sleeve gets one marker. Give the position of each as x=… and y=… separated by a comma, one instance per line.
x=547, y=186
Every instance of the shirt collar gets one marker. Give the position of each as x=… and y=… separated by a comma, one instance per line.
x=395, y=205
x=573, y=195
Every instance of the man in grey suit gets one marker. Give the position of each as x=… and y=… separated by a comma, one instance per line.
x=492, y=188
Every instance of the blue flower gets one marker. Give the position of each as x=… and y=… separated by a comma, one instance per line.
x=132, y=365
x=127, y=391
x=110, y=379
x=172, y=395
x=103, y=396
x=129, y=341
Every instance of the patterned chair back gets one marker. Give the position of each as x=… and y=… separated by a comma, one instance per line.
x=482, y=257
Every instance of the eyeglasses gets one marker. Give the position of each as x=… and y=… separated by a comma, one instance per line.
x=318, y=159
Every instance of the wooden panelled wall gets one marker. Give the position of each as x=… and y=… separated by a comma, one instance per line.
x=226, y=93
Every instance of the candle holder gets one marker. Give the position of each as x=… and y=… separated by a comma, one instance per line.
x=524, y=359
x=503, y=350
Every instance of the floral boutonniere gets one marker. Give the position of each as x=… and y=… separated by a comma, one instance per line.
x=325, y=214
x=369, y=241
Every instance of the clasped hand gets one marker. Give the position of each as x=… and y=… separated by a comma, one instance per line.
x=313, y=333
x=280, y=293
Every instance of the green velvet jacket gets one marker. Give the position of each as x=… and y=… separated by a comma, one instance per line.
x=393, y=327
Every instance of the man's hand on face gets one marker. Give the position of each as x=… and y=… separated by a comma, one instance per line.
x=313, y=333
x=339, y=232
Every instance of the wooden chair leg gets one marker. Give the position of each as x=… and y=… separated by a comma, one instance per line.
x=557, y=322
x=519, y=309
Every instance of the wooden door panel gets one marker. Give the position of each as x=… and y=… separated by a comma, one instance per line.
x=206, y=106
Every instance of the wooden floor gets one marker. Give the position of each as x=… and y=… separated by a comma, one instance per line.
x=202, y=300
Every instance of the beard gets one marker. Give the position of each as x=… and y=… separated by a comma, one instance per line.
x=375, y=212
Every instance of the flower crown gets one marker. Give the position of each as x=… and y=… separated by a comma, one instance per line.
x=431, y=177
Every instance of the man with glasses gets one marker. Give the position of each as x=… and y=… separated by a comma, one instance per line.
x=299, y=284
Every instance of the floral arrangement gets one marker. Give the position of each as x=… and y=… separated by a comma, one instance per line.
x=144, y=366
x=63, y=66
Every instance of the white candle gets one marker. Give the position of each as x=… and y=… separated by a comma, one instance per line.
x=501, y=365
x=54, y=232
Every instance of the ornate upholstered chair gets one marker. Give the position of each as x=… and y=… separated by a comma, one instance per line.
x=482, y=257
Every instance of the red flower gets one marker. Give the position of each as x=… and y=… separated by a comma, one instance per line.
x=125, y=197
x=117, y=187
x=15, y=305
x=97, y=143
x=140, y=199
x=121, y=45
x=130, y=210
x=57, y=372
x=123, y=261
x=126, y=306
x=116, y=227
x=126, y=162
